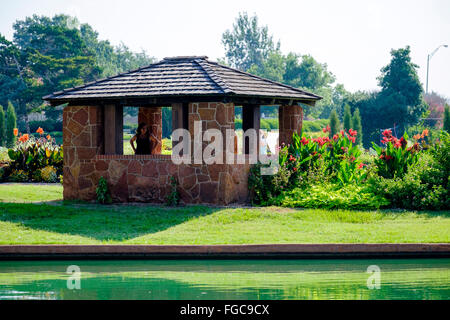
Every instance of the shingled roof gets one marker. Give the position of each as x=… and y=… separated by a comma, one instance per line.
x=186, y=77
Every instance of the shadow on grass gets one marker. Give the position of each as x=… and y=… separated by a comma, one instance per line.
x=104, y=223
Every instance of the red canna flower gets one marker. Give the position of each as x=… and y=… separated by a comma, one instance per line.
x=16, y=131
x=389, y=158
x=327, y=129
x=295, y=169
x=40, y=130
x=48, y=137
x=362, y=165
x=416, y=137
x=304, y=141
x=387, y=133
x=425, y=133
x=335, y=137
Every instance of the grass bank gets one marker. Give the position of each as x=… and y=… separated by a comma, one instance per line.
x=78, y=223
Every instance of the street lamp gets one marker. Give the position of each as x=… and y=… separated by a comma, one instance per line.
x=429, y=58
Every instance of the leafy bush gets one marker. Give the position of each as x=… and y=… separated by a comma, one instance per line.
x=173, y=199
x=50, y=125
x=307, y=161
x=314, y=125
x=18, y=176
x=48, y=174
x=425, y=185
x=395, y=158
x=31, y=154
x=331, y=196
x=102, y=191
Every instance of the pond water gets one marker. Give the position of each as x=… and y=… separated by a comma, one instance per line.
x=227, y=279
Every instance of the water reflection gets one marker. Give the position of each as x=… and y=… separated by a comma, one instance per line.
x=227, y=279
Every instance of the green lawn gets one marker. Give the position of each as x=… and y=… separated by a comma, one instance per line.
x=79, y=223
x=30, y=192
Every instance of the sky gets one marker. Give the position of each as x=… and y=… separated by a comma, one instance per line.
x=353, y=37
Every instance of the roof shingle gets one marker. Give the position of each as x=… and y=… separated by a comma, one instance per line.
x=181, y=76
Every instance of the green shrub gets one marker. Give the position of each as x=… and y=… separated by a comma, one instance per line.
x=314, y=125
x=37, y=176
x=11, y=124
x=307, y=161
x=424, y=186
x=31, y=154
x=173, y=199
x=49, y=124
x=394, y=159
x=329, y=196
x=48, y=174
x=18, y=176
x=102, y=191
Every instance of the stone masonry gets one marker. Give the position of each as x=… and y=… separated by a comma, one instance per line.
x=146, y=178
x=290, y=120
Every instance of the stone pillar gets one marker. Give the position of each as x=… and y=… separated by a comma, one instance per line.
x=82, y=141
x=290, y=120
x=217, y=188
x=152, y=116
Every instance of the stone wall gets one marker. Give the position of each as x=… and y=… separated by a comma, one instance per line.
x=290, y=121
x=146, y=178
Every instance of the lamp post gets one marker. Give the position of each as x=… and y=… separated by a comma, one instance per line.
x=429, y=58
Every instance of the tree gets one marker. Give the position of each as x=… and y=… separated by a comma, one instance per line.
x=347, y=118
x=446, y=125
x=51, y=54
x=401, y=95
x=247, y=44
x=356, y=124
x=10, y=125
x=305, y=72
x=2, y=127
x=334, y=123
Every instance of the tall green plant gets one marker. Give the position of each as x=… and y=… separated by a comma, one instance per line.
x=2, y=127
x=356, y=124
x=334, y=123
x=11, y=123
x=446, y=126
x=347, y=118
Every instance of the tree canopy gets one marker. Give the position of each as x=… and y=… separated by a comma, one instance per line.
x=247, y=43
x=51, y=54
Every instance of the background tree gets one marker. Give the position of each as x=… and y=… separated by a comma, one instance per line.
x=10, y=125
x=356, y=124
x=247, y=43
x=446, y=125
x=335, y=125
x=2, y=127
x=347, y=118
x=401, y=95
x=51, y=54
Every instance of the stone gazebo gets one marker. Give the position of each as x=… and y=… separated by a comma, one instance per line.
x=197, y=90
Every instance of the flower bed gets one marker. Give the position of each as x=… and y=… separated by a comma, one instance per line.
x=33, y=159
x=329, y=172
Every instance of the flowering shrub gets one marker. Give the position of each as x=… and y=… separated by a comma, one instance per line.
x=308, y=161
x=395, y=158
x=339, y=156
x=33, y=154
